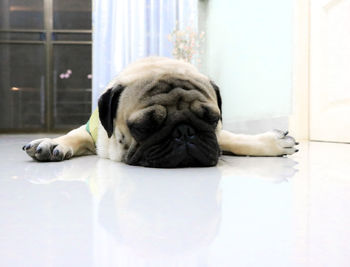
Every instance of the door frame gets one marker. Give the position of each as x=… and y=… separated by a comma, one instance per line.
x=299, y=120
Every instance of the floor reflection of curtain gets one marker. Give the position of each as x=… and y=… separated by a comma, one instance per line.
x=124, y=31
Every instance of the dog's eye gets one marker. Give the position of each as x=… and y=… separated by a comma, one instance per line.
x=213, y=122
x=146, y=124
x=208, y=112
x=140, y=130
x=210, y=116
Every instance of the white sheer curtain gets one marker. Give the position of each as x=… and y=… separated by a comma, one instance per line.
x=126, y=30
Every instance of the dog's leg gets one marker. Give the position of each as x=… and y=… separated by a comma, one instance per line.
x=274, y=143
x=75, y=143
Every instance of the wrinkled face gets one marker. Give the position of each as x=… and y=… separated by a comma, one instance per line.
x=175, y=128
x=163, y=113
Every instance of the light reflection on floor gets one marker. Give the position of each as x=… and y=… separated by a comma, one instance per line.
x=245, y=212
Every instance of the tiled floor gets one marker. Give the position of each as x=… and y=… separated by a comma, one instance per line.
x=259, y=212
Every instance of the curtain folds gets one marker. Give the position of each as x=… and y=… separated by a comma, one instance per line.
x=127, y=30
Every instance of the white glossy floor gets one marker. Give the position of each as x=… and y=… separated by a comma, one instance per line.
x=246, y=212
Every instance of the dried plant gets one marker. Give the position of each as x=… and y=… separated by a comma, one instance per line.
x=187, y=44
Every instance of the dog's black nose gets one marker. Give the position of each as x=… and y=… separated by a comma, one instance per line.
x=184, y=133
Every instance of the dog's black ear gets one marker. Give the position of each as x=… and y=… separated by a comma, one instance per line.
x=218, y=96
x=107, y=107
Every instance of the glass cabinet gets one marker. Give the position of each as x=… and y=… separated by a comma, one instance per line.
x=45, y=64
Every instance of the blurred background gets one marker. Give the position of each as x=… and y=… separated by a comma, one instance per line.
x=279, y=64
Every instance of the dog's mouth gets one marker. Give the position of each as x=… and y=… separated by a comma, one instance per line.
x=183, y=146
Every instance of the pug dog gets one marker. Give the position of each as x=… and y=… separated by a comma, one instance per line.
x=159, y=112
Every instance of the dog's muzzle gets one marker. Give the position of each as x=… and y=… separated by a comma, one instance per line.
x=184, y=135
x=184, y=147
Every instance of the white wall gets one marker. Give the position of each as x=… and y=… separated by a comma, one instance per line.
x=249, y=55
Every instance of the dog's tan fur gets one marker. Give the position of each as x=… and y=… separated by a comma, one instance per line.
x=140, y=79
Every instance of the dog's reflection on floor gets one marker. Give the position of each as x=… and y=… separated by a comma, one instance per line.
x=161, y=212
x=157, y=214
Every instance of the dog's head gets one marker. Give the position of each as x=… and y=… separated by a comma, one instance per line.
x=165, y=121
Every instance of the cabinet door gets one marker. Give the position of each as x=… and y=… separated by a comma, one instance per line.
x=45, y=64
x=72, y=56
x=22, y=65
x=71, y=85
x=329, y=70
x=22, y=86
x=21, y=14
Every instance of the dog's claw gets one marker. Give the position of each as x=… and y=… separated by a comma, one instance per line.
x=48, y=150
x=285, y=143
x=56, y=152
x=69, y=155
x=26, y=147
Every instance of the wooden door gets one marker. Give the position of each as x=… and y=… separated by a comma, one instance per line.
x=330, y=70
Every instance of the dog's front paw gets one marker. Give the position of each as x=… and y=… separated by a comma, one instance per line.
x=278, y=143
x=47, y=149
